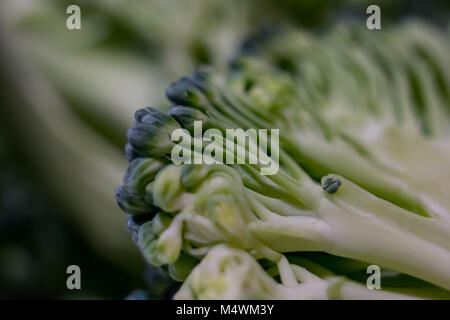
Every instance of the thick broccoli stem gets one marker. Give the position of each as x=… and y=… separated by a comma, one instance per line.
x=340, y=288
x=408, y=156
x=353, y=223
x=322, y=158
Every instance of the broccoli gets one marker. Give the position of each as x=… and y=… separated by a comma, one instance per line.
x=363, y=166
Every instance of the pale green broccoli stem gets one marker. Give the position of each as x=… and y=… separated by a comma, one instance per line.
x=225, y=101
x=340, y=288
x=223, y=111
x=403, y=153
x=263, y=185
x=229, y=108
x=245, y=108
x=434, y=117
x=222, y=122
x=403, y=104
x=404, y=50
x=354, y=224
x=286, y=274
x=337, y=159
x=285, y=160
x=282, y=207
x=305, y=192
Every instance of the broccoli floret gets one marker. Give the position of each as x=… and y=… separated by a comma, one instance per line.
x=363, y=164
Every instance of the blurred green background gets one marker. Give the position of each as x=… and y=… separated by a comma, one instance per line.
x=67, y=99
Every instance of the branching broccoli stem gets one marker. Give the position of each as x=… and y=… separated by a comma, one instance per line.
x=372, y=127
x=359, y=177
x=229, y=273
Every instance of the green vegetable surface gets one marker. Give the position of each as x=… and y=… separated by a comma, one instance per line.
x=364, y=158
